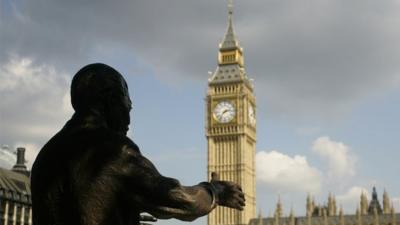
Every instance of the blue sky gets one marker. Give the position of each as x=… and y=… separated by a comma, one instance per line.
x=326, y=77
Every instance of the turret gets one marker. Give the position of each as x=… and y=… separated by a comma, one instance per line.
x=331, y=205
x=279, y=208
x=309, y=206
x=374, y=204
x=386, y=203
x=334, y=206
x=363, y=204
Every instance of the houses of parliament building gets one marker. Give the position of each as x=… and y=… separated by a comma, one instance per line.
x=368, y=213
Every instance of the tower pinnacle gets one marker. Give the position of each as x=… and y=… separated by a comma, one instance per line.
x=229, y=42
x=230, y=7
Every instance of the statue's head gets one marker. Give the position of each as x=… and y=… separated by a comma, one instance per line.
x=100, y=89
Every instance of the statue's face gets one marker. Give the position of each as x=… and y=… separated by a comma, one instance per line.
x=120, y=112
x=127, y=105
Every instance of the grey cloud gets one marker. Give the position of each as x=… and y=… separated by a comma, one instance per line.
x=307, y=57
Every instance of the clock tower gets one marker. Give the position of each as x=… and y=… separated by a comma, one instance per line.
x=231, y=127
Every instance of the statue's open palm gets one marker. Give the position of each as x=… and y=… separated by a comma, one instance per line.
x=229, y=194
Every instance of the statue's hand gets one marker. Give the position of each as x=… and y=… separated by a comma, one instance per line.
x=228, y=193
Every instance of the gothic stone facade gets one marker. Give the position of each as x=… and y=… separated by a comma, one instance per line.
x=15, y=194
x=366, y=214
x=383, y=219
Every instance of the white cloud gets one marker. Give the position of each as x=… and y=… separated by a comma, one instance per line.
x=283, y=172
x=34, y=103
x=7, y=157
x=351, y=199
x=341, y=162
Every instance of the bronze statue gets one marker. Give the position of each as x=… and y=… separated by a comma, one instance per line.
x=91, y=173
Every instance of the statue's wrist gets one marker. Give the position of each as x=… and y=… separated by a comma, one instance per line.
x=212, y=191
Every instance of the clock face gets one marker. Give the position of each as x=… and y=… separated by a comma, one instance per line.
x=224, y=112
x=252, y=115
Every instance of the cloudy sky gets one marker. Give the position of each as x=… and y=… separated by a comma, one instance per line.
x=326, y=75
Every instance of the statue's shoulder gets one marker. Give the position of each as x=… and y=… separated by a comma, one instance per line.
x=129, y=144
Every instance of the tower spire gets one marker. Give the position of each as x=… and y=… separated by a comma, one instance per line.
x=229, y=42
x=230, y=57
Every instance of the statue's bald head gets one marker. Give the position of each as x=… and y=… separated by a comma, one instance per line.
x=99, y=87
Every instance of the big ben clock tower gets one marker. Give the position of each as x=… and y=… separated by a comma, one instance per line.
x=231, y=128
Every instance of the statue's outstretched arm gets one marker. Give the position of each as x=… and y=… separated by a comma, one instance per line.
x=165, y=197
